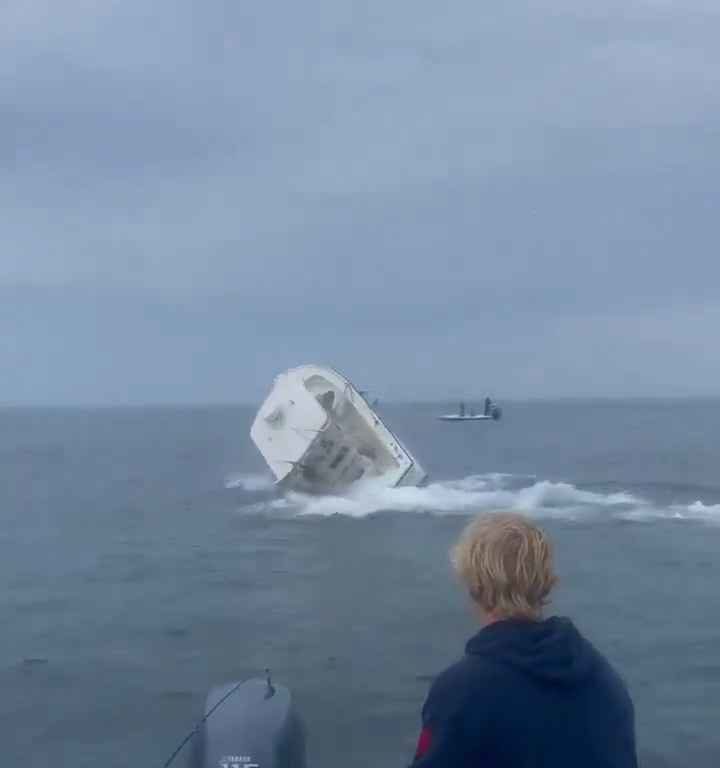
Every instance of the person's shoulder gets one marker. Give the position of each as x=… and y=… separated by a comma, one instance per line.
x=608, y=676
x=465, y=679
x=611, y=676
x=467, y=667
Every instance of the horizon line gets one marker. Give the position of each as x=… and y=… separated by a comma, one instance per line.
x=208, y=404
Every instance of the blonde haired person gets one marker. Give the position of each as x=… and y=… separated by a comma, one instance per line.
x=530, y=692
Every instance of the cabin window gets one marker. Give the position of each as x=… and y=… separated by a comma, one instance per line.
x=341, y=454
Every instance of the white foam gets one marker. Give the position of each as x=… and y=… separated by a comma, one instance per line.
x=252, y=483
x=464, y=496
x=481, y=493
x=704, y=510
x=709, y=513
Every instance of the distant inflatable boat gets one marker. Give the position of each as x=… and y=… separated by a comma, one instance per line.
x=492, y=412
x=457, y=417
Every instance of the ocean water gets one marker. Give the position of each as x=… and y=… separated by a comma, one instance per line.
x=144, y=557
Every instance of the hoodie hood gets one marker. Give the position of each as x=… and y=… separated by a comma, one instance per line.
x=550, y=651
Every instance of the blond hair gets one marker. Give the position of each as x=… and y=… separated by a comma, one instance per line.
x=506, y=563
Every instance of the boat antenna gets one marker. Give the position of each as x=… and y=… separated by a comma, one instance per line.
x=270, y=692
x=200, y=723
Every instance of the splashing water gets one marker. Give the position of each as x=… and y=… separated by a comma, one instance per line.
x=479, y=493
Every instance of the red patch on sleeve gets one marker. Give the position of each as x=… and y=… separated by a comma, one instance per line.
x=423, y=744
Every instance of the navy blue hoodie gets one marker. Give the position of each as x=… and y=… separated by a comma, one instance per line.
x=528, y=694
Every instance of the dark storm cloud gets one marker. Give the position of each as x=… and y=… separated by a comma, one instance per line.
x=230, y=188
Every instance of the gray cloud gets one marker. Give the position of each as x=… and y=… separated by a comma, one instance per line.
x=194, y=196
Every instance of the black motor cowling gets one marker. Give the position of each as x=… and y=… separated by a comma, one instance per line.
x=255, y=727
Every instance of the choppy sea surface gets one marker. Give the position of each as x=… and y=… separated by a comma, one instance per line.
x=145, y=557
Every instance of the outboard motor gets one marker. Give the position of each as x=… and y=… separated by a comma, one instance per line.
x=249, y=725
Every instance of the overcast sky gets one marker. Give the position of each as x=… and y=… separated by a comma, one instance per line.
x=440, y=199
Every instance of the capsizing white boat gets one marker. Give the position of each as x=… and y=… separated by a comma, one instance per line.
x=318, y=434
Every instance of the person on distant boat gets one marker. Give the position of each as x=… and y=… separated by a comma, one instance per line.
x=488, y=406
x=462, y=409
x=529, y=691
